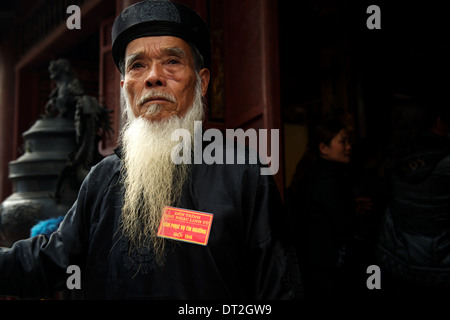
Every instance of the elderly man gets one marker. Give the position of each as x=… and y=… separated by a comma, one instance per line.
x=142, y=226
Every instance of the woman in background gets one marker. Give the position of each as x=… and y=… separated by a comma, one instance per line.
x=322, y=205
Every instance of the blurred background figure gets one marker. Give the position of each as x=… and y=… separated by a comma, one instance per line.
x=413, y=249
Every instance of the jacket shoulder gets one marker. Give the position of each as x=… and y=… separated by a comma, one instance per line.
x=103, y=171
x=110, y=162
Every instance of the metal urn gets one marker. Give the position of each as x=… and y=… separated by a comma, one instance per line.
x=60, y=148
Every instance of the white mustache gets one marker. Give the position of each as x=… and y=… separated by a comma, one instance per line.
x=153, y=94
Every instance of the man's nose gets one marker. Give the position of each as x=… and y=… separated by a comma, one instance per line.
x=154, y=77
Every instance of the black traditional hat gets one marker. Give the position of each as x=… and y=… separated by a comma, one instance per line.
x=159, y=18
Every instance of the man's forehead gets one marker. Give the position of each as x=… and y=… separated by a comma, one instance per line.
x=160, y=45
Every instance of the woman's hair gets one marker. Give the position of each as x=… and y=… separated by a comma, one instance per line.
x=323, y=132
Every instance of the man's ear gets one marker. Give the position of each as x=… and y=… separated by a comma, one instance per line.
x=121, y=83
x=204, y=76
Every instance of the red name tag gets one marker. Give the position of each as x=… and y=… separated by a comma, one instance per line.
x=185, y=225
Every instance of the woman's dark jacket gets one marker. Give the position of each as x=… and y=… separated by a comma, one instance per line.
x=322, y=206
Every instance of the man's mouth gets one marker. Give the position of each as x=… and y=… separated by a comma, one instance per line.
x=156, y=98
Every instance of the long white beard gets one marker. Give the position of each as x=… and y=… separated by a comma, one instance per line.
x=151, y=179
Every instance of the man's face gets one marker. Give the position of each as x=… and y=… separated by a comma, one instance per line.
x=163, y=66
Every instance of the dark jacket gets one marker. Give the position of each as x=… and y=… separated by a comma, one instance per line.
x=414, y=242
x=322, y=205
x=244, y=257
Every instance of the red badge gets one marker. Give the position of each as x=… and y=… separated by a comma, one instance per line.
x=185, y=225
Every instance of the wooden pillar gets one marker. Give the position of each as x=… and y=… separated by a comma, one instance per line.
x=6, y=114
x=109, y=85
x=252, y=84
x=338, y=85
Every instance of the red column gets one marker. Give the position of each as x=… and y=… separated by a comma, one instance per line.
x=6, y=114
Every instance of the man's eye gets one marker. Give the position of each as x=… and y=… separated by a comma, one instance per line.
x=173, y=61
x=136, y=65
